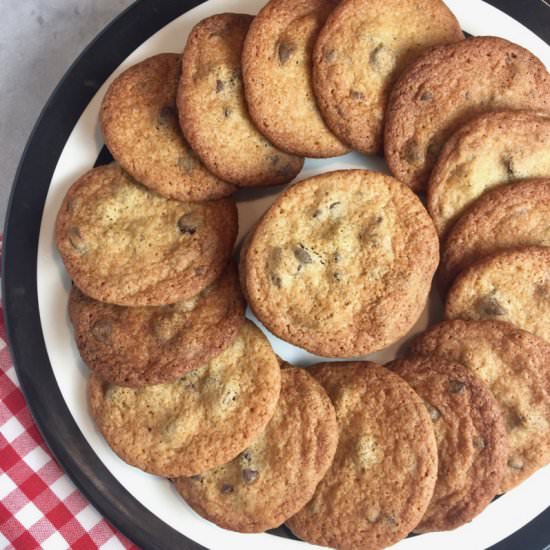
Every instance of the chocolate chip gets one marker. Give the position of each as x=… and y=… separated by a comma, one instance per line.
x=76, y=240
x=456, y=386
x=274, y=159
x=227, y=112
x=542, y=291
x=515, y=463
x=514, y=419
x=285, y=51
x=188, y=223
x=508, y=163
x=235, y=77
x=460, y=171
x=249, y=475
x=390, y=520
x=226, y=489
x=246, y=455
x=354, y=94
x=426, y=96
x=382, y=59
x=302, y=255
x=411, y=151
x=329, y=55
x=229, y=397
x=490, y=306
x=479, y=442
x=219, y=86
x=286, y=171
x=186, y=163
x=102, y=330
x=432, y=411
x=167, y=116
x=276, y=280
x=432, y=151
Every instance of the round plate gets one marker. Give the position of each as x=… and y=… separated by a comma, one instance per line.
x=64, y=144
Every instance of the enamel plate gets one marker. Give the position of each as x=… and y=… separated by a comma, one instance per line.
x=66, y=143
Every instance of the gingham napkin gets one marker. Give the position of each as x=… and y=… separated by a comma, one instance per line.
x=39, y=505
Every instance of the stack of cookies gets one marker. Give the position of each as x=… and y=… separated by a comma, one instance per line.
x=348, y=454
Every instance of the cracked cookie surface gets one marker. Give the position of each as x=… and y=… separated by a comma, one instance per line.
x=212, y=109
x=361, y=50
x=514, y=364
x=276, y=57
x=384, y=471
x=512, y=286
x=122, y=243
x=139, y=120
x=278, y=472
x=447, y=87
x=488, y=152
x=200, y=421
x=342, y=263
x=470, y=435
x=137, y=346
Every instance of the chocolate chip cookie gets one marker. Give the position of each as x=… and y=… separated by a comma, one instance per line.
x=140, y=124
x=512, y=286
x=509, y=216
x=342, y=263
x=212, y=109
x=361, y=50
x=137, y=346
x=491, y=150
x=277, y=61
x=514, y=364
x=277, y=474
x=471, y=439
x=200, y=421
x=447, y=87
x=124, y=244
x=384, y=471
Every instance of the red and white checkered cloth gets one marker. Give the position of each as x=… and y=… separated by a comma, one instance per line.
x=39, y=505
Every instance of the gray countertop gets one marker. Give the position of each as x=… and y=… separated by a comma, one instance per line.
x=39, y=39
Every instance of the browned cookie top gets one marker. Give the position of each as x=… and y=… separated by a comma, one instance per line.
x=490, y=151
x=514, y=364
x=384, y=471
x=448, y=86
x=201, y=420
x=140, y=124
x=124, y=244
x=278, y=472
x=471, y=439
x=360, y=51
x=212, y=109
x=513, y=215
x=136, y=346
x=277, y=77
x=342, y=263
x=512, y=285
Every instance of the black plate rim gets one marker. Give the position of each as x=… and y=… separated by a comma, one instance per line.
x=21, y=231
